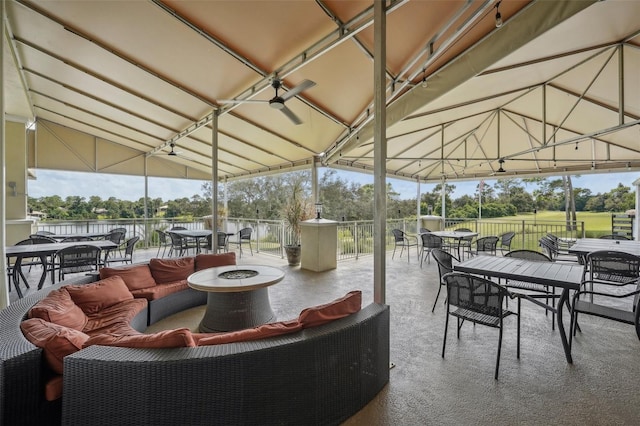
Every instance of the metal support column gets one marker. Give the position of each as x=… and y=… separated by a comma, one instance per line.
x=4, y=291
x=379, y=151
x=214, y=177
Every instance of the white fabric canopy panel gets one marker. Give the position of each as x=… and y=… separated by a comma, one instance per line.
x=130, y=79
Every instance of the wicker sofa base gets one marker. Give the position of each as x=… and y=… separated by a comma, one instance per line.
x=320, y=375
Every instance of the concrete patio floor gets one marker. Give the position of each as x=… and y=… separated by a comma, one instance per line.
x=541, y=388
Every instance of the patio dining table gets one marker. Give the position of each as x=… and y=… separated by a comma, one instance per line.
x=44, y=252
x=565, y=276
x=584, y=246
x=457, y=236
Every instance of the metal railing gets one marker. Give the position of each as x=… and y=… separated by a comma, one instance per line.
x=355, y=239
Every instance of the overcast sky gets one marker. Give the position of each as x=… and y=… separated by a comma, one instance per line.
x=131, y=188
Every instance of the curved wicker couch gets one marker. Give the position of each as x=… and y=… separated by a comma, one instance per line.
x=319, y=375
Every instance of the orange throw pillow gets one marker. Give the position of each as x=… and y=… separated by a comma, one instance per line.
x=59, y=308
x=179, y=338
x=94, y=297
x=261, y=332
x=55, y=340
x=135, y=277
x=339, y=308
x=171, y=270
x=206, y=261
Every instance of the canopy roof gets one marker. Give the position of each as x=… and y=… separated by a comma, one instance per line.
x=112, y=85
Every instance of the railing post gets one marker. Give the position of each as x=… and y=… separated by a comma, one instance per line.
x=355, y=239
x=524, y=233
x=257, y=235
x=282, y=239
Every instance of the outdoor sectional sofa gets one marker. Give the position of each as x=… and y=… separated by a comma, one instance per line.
x=319, y=373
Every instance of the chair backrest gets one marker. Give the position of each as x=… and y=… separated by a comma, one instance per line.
x=487, y=243
x=423, y=230
x=131, y=245
x=612, y=266
x=245, y=233
x=465, y=230
x=431, y=241
x=178, y=228
x=444, y=261
x=615, y=237
x=398, y=235
x=26, y=242
x=549, y=246
x=74, y=239
x=78, y=256
x=115, y=236
x=162, y=236
x=529, y=255
x=176, y=239
x=474, y=293
x=505, y=239
x=119, y=230
x=41, y=239
x=222, y=239
x=45, y=233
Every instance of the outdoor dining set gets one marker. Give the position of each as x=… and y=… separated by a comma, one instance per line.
x=60, y=254
x=586, y=276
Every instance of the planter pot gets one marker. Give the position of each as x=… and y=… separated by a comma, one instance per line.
x=293, y=255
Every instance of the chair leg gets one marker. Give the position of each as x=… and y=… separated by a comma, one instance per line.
x=518, y=344
x=446, y=326
x=436, y=301
x=499, y=349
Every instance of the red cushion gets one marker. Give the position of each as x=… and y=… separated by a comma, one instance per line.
x=58, y=307
x=171, y=270
x=160, y=291
x=339, y=308
x=135, y=277
x=261, y=332
x=53, y=388
x=55, y=340
x=206, y=261
x=178, y=338
x=94, y=297
x=122, y=312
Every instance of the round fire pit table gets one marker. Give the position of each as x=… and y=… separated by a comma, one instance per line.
x=238, y=296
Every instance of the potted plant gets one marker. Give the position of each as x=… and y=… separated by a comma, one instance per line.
x=296, y=210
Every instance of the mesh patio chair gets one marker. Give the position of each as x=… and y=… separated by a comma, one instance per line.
x=429, y=242
x=128, y=253
x=609, y=268
x=485, y=245
x=464, y=244
x=444, y=260
x=163, y=242
x=222, y=243
x=539, y=290
x=424, y=230
x=180, y=245
x=504, y=245
x=45, y=233
x=552, y=249
x=402, y=240
x=76, y=259
x=479, y=301
x=613, y=301
x=244, y=237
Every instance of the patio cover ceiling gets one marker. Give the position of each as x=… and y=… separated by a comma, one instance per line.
x=113, y=84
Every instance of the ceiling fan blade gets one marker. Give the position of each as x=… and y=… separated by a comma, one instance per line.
x=286, y=111
x=306, y=84
x=242, y=101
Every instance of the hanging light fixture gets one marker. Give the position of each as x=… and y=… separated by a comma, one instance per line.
x=498, y=15
x=172, y=152
x=501, y=169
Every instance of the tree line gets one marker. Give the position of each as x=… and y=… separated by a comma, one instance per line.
x=265, y=197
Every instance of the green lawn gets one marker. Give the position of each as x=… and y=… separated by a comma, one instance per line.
x=592, y=221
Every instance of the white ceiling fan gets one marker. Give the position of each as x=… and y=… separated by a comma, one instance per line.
x=278, y=102
x=172, y=152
